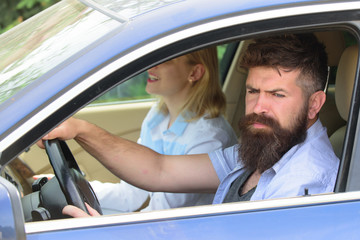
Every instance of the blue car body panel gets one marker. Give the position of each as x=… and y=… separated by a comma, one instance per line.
x=332, y=221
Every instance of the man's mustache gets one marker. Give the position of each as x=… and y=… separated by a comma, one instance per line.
x=252, y=118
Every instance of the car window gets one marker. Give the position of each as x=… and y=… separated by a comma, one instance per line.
x=134, y=88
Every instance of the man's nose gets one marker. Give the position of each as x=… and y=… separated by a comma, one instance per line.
x=261, y=104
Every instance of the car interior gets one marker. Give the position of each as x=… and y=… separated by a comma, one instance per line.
x=344, y=83
x=124, y=119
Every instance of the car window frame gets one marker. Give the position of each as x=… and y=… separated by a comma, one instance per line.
x=302, y=23
x=348, y=164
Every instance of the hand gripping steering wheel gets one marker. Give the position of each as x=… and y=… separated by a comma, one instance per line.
x=76, y=188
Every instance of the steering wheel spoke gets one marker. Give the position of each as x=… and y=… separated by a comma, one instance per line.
x=77, y=190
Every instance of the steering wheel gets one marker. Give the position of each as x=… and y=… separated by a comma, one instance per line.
x=76, y=188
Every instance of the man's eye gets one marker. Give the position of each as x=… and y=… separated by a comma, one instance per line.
x=252, y=91
x=278, y=95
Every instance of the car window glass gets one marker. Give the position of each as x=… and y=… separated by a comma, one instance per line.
x=132, y=8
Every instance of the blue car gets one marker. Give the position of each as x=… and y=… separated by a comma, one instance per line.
x=88, y=58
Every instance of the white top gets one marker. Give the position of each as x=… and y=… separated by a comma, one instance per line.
x=200, y=136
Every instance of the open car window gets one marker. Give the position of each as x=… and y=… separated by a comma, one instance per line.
x=235, y=79
x=134, y=88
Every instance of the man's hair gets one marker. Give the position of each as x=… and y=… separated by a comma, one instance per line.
x=206, y=95
x=291, y=52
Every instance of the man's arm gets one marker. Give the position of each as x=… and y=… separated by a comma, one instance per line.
x=140, y=165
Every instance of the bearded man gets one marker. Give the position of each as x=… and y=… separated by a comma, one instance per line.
x=283, y=149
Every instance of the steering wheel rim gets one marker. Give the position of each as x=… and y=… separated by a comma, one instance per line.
x=76, y=189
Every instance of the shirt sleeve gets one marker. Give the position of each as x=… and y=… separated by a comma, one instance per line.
x=224, y=160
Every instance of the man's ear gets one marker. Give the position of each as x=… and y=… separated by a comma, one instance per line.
x=197, y=72
x=316, y=101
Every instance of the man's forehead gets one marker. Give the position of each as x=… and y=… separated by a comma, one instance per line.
x=271, y=78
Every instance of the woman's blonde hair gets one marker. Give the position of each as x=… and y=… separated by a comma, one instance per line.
x=206, y=95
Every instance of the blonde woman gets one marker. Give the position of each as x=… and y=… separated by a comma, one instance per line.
x=187, y=119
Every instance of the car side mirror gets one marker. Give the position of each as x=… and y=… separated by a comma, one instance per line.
x=12, y=224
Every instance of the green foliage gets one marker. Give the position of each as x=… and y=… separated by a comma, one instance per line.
x=132, y=89
x=13, y=12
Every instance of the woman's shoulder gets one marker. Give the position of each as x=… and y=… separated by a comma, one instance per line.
x=217, y=125
x=217, y=122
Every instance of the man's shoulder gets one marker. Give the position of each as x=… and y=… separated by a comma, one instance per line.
x=313, y=161
x=316, y=132
x=317, y=144
x=314, y=157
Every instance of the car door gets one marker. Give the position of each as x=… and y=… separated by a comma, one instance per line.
x=325, y=216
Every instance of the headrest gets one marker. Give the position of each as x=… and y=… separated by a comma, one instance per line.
x=334, y=45
x=344, y=81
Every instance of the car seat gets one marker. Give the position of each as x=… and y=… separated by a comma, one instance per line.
x=344, y=83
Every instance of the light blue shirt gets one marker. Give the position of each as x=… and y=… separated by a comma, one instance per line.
x=311, y=164
x=183, y=137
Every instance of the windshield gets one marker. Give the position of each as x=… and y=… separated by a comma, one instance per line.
x=46, y=40
x=129, y=8
x=34, y=47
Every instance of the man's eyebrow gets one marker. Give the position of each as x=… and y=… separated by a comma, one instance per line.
x=251, y=88
x=268, y=91
x=276, y=90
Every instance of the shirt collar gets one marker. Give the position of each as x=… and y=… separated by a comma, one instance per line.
x=156, y=119
x=178, y=127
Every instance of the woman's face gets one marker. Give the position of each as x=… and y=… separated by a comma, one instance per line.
x=171, y=79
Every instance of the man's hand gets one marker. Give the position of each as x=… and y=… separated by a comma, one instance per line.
x=65, y=131
x=76, y=212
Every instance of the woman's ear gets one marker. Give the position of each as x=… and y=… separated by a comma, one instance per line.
x=197, y=72
x=316, y=101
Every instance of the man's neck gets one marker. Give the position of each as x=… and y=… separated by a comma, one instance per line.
x=251, y=182
x=311, y=122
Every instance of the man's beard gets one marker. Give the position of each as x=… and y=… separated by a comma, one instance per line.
x=260, y=149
